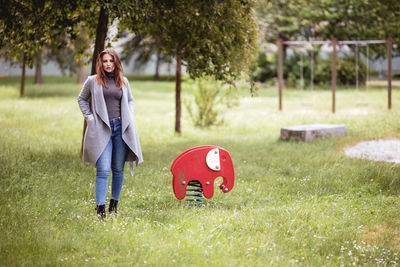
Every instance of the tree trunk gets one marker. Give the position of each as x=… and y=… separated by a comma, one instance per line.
x=22, y=90
x=101, y=33
x=81, y=73
x=157, y=74
x=178, y=83
x=38, y=68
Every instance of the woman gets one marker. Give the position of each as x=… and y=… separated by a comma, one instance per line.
x=111, y=137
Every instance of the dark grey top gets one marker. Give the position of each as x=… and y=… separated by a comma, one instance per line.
x=112, y=96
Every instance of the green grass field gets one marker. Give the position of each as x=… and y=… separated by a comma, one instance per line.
x=293, y=204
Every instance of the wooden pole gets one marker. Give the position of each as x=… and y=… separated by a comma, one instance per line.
x=389, y=74
x=301, y=72
x=280, y=70
x=312, y=68
x=356, y=66
x=334, y=43
x=366, y=82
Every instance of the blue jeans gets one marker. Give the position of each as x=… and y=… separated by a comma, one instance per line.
x=112, y=158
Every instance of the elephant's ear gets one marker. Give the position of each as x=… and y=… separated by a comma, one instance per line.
x=212, y=160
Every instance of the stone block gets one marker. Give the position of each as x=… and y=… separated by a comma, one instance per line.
x=309, y=132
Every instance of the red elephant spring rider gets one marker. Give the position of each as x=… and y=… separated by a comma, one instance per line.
x=198, y=167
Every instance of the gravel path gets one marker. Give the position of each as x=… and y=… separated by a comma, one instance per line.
x=377, y=150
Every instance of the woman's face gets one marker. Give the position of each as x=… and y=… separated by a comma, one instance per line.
x=108, y=63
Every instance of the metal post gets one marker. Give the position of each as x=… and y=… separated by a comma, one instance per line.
x=334, y=43
x=389, y=74
x=280, y=71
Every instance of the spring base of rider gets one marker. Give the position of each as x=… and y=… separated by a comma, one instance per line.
x=195, y=193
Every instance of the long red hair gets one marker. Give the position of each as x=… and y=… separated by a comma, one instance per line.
x=118, y=71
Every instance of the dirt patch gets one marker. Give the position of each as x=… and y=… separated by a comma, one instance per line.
x=377, y=150
x=381, y=234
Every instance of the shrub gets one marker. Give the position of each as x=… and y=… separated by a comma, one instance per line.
x=291, y=69
x=346, y=71
x=210, y=96
x=264, y=68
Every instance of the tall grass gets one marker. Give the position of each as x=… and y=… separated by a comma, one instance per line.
x=293, y=203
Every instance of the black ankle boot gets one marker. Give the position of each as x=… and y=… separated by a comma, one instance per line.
x=101, y=211
x=113, y=206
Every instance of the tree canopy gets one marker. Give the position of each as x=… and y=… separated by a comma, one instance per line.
x=212, y=37
x=25, y=26
x=328, y=19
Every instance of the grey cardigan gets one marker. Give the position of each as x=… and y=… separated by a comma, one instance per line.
x=98, y=131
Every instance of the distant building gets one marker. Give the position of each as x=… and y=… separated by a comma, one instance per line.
x=51, y=68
